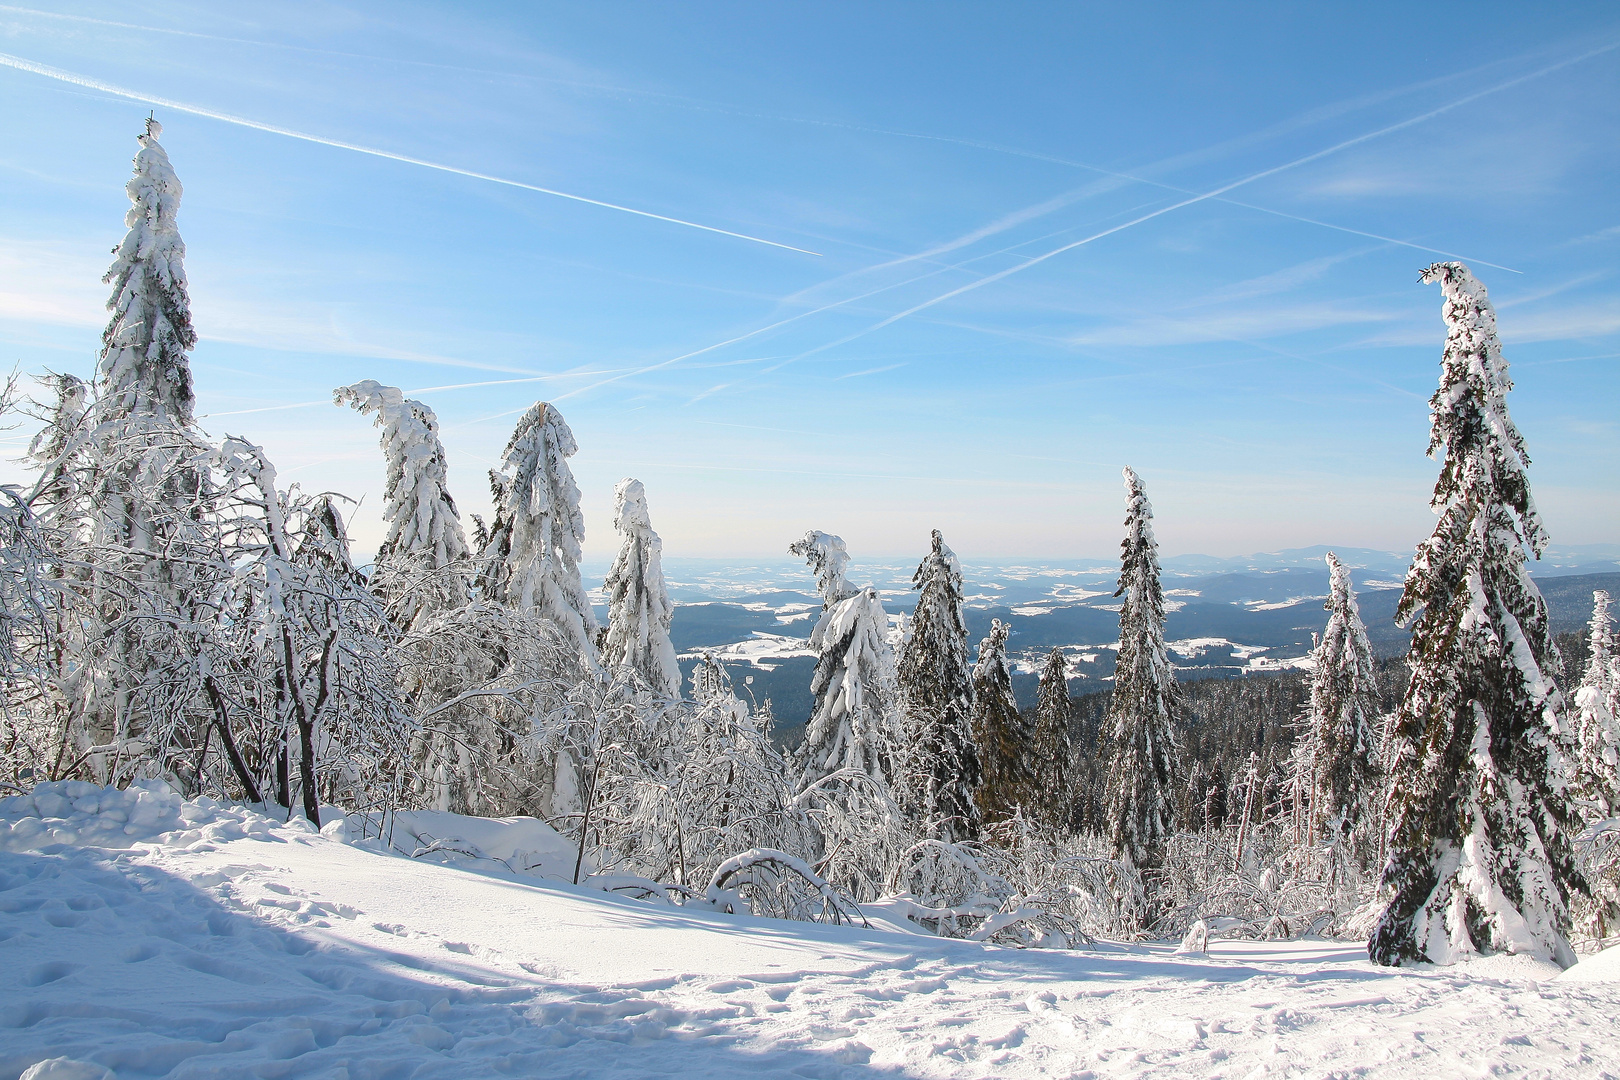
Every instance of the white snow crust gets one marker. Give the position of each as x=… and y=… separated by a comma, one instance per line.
x=141, y=935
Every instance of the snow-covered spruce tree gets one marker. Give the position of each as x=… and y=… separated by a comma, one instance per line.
x=422, y=564
x=639, y=611
x=941, y=767
x=1053, y=748
x=849, y=724
x=845, y=765
x=1479, y=854
x=1597, y=733
x=472, y=672
x=535, y=541
x=153, y=553
x=1596, y=774
x=1341, y=733
x=56, y=450
x=1145, y=705
x=144, y=369
x=529, y=567
x=1005, y=739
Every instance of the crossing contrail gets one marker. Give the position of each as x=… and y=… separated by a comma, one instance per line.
x=60, y=75
x=1213, y=194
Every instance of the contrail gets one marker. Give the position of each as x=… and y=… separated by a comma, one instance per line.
x=196, y=110
x=1186, y=191
x=756, y=332
x=1000, y=225
x=731, y=341
x=1216, y=193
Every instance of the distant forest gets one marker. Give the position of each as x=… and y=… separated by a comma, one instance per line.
x=1227, y=721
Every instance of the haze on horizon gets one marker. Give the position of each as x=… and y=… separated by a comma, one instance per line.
x=1051, y=243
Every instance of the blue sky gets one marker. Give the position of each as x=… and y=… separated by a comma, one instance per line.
x=959, y=353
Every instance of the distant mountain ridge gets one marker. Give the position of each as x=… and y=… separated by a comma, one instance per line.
x=1240, y=616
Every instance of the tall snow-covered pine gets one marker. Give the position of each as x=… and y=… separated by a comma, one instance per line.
x=639, y=611
x=1480, y=854
x=1006, y=741
x=1140, y=724
x=146, y=503
x=848, y=727
x=422, y=562
x=538, y=536
x=1342, y=725
x=1053, y=747
x=942, y=768
x=1597, y=727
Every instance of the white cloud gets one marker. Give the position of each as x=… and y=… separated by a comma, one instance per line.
x=1230, y=325
x=52, y=283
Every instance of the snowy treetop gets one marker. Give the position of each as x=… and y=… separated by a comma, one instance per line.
x=1468, y=412
x=539, y=482
x=143, y=364
x=630, y=513
x=544, y=530
x=639, y=608
x=1600, y=640
x=828, y=559
x=421, y=514
x=992, y=661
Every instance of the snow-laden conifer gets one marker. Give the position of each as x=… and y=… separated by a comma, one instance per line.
x=828, y=559
x=1053, y=714
x=1145, y=705
x=1341, y=727
x=1597, y=732
x=941, y=767
x=853, y=681
x=1005, y=739
x=536, y=540
x=148, y=536
x=422, y=562
x=144, y=368
x=639, y=610
x=57, y=449
x=1480, y=854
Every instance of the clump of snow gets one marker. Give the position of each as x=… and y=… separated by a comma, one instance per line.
x=523, y=845
x=79, y=814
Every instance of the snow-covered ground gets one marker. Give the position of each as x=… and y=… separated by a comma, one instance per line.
x=154, y=938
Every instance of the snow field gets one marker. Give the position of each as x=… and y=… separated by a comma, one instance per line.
x=154, y=937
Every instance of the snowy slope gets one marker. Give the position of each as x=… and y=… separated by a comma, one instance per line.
x=157, y=938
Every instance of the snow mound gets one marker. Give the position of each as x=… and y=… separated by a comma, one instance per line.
x=523, y=845
x=72, y=813
x=1600, y=967
x=79, y=814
